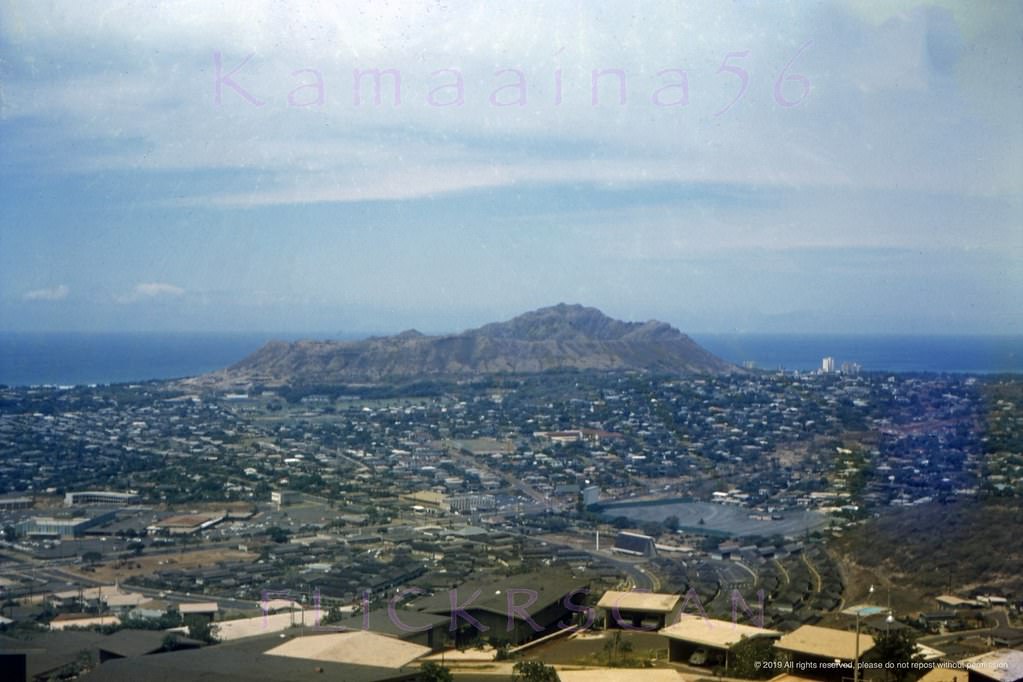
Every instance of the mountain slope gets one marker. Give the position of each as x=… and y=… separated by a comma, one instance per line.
x=559, y=337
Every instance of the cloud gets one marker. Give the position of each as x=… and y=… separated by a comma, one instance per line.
x=151, y=290
x=57, y=293
x=887, y=102
x=905, y=137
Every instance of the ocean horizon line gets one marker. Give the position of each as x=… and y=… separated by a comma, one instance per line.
x=83, y=358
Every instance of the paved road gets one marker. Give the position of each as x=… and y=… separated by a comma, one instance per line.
x=523, y=487
x=999, y=615
x=813, y=570
x=224, y=602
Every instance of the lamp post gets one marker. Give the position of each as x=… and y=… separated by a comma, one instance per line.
x=856, y=662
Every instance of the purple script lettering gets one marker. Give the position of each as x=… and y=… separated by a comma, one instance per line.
x=392, y=611
x=459, y=611
x=221, y=80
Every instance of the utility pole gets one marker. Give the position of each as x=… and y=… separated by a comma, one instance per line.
x=856, y=662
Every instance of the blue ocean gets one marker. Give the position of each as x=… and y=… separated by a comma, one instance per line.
x=874, y=353
x=105, y=358
x=99, y=358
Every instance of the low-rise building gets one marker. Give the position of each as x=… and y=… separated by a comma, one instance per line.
x=637, y=610
x=824, y=653
x=63, y=526
x=284, y=498
x=517, y=608
x=186, y=524
x=359, y=647
x=107, y=497
x=207, y=610
x=634, y=544
x=82, y=620
x=707, y=642
x=1001, y=665
x=14, y=503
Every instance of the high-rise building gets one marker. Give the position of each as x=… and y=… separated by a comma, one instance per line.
x=828, y=365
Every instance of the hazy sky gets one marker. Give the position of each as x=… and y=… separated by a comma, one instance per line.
x=868, y=178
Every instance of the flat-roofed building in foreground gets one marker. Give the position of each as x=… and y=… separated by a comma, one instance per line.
x=621, y=675
x=707, y=642
x=359, y=647
x=1001, y=665
x=249, y=660
x=943, y=674
x=824, y=653
x=242, y=628
x=648, y=610
x=789, y=677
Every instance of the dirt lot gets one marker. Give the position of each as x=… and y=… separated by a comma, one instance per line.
x=904, y=598
x=144, y=565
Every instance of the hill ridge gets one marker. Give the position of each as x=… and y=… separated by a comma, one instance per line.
x=563, y=336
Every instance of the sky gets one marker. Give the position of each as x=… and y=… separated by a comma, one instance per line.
x=348, y=167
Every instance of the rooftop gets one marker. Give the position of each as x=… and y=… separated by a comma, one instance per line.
x=952, y=600
x=89, y=592
x=941, y=674
x=185, y=520
x=400, y=623
x=1004, y=665
x=719, y=634
x=359, y=647
x=497, y=594
x=621, y=675
x=242, y=661
x=825, y=642
x=77, y=620
x=186, y=608
x=228, y=630
x=139, y=642
x=131, y=599
x=639, y=601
